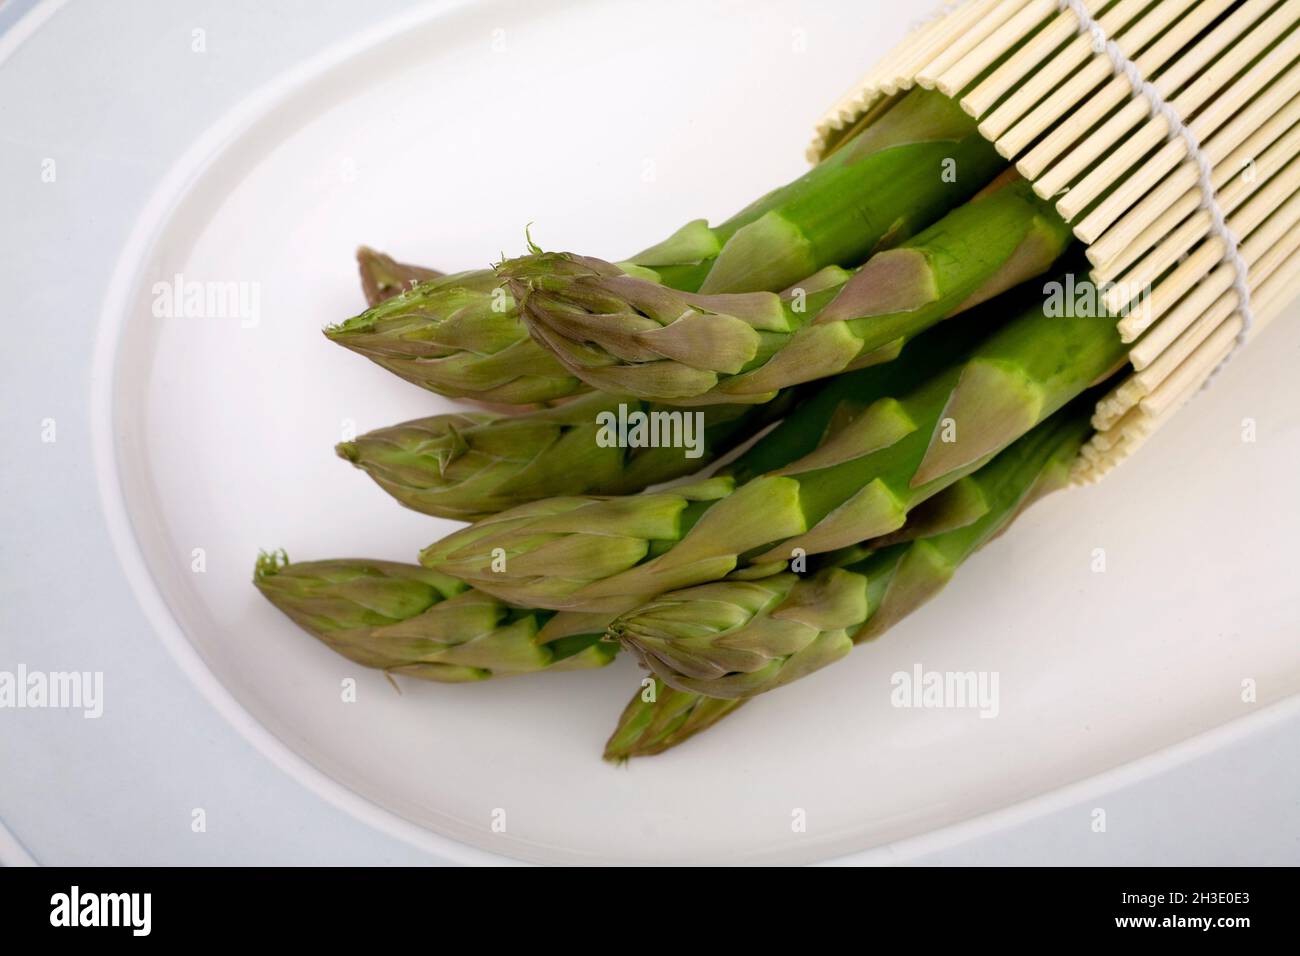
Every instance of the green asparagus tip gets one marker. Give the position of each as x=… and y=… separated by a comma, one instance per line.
x=505, y=262
x=366, y=321
x=270, y=563
x=358, y=323
x=545, y=267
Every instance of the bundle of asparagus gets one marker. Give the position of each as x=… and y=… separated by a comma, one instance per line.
x=937, y=413
x=882, y=385
x=734, y=639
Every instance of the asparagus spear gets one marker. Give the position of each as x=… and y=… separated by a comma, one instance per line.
x=463, y=335
x=735, y=639
x=628, y=335
x=460, y=336
x=383, y=277
x=611, y=554
x=465, y=465
x=659, y=717
x=409, y=620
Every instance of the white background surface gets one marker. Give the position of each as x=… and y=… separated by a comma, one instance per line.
x=120, y=104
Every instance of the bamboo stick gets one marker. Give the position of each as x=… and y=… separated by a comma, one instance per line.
x=1090, y=112
x=1203, y=297
x=1262, y=222
x=1109, y=138
x=1032, y=60
x=1211, y=116
x=1140, y=227
x=1222, y=315
x=975, y=32
x=1197, y=226
x=961, y=74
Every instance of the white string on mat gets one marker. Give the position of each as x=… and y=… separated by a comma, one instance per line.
x=1179, y=130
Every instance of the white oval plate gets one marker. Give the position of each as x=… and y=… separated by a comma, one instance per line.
x=439, y=143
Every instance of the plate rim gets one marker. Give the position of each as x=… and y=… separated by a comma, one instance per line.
x=124, y=279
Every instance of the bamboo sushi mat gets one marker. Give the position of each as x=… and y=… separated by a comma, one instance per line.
x=1168, y=134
